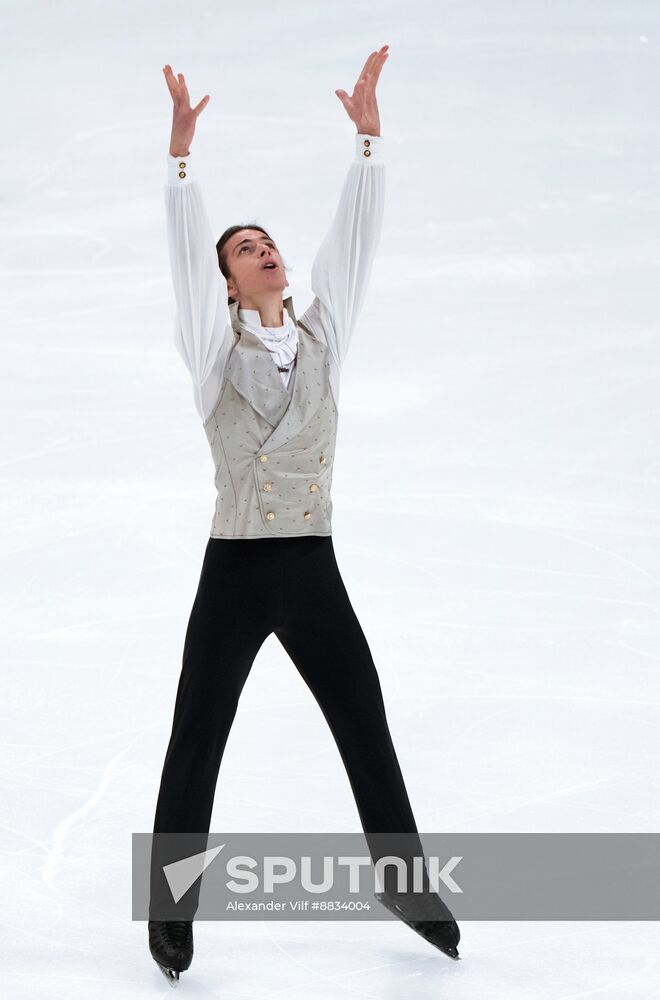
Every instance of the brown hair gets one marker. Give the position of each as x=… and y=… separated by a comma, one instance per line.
x=220, y=245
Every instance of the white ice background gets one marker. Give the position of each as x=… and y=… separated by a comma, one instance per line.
x=497, y=482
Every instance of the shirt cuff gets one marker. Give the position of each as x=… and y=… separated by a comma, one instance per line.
x=178, y=170
x=368, y=148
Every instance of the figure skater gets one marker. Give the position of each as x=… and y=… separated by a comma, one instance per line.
x=266, y=387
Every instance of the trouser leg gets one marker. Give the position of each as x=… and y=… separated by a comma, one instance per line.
x=325, y=640
x=227, y=625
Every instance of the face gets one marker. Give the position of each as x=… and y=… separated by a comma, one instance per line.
x=247, y=253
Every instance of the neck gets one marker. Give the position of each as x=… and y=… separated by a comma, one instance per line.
x=271, y=312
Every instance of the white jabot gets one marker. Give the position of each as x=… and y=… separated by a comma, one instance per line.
x=281, y=341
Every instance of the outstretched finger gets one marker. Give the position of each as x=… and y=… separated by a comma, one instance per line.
x=366, y=67
x=202, y=104
x=170, y=80
x=367, y=63
x=375, y=73
x=184, y=89
x=371, y=79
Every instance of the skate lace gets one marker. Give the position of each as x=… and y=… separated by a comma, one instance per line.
x=179, y=930
x=176, y=932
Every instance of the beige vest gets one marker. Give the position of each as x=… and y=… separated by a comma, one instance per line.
x=273, y=450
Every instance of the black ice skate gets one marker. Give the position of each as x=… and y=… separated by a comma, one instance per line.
x=442, y=934
x=171, y=946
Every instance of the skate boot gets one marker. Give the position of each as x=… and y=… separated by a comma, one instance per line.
x=441, y=933
x=171, y=946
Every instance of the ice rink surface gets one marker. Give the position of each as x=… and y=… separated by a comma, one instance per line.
x=497, y=482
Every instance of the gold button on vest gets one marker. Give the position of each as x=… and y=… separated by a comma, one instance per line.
x=307, y=515
x=268, y=486
x=270, y=515
x=263, y=458
x=313, y=488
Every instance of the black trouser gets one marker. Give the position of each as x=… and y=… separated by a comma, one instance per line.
x=248, y=589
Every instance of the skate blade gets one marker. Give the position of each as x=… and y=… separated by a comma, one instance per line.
x=171, y=975
x=389, y=904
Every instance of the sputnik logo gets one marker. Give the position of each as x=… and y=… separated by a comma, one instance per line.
x=182, y=874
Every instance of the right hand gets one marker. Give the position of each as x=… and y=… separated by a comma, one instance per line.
x=184, y=118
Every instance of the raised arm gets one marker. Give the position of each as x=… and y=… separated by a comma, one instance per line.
x=343, y=264
x=200, y=289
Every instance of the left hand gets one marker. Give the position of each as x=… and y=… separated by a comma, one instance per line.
x=362, y=107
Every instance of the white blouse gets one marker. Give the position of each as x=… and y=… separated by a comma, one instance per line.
x=203, y=334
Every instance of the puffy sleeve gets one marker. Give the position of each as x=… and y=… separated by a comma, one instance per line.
x=202, y=323
x=342, y=267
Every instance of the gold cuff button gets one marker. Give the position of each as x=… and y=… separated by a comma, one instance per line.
x=270, y=515
x=367, y=152
x=263, y=458
x=313, y=488
x=182, y=173
x=367, y=142
x=182, y=164
x=307, y=515
x=268, y=486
